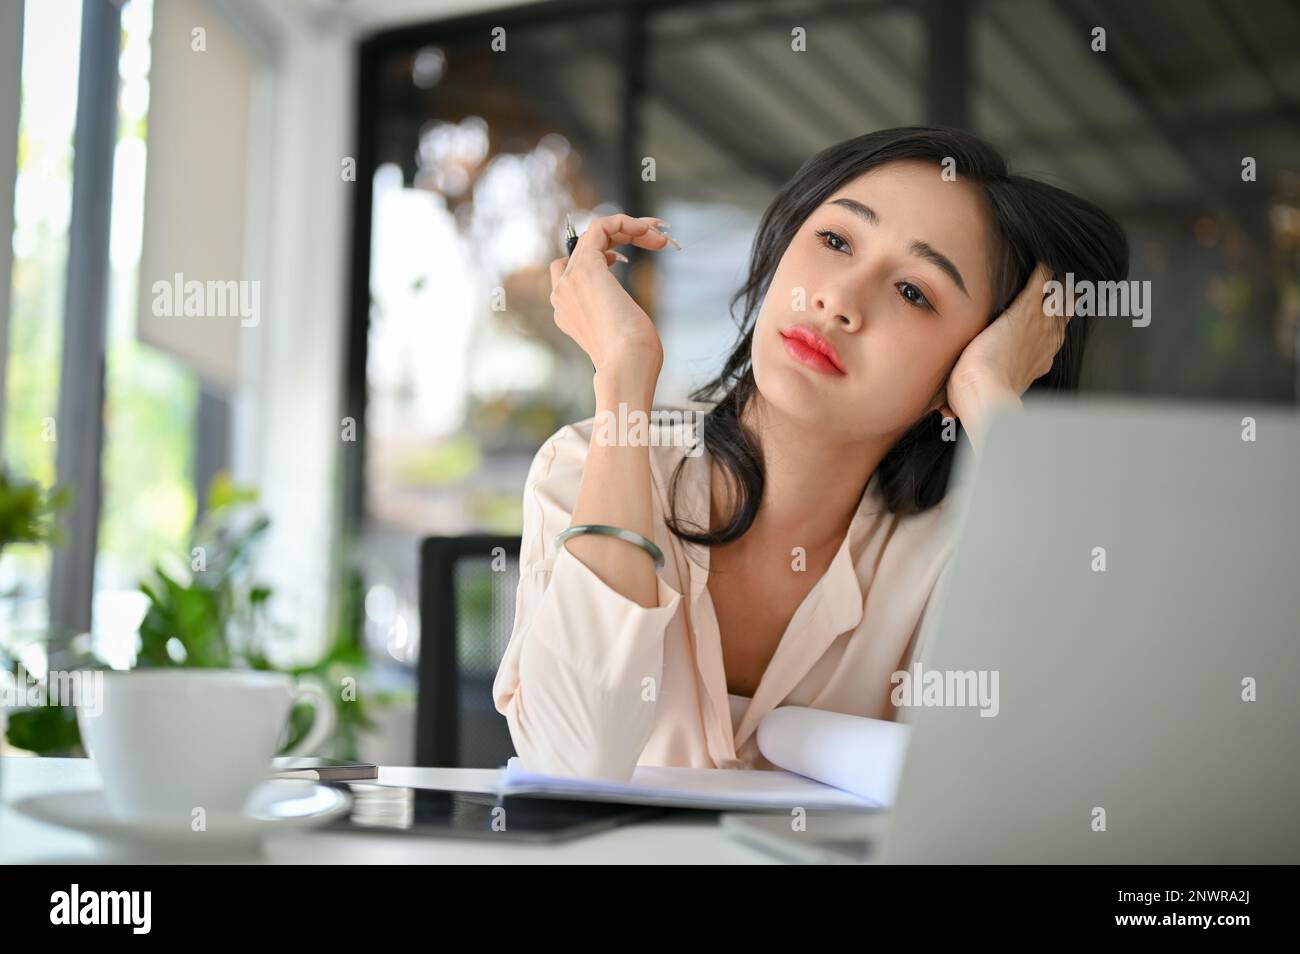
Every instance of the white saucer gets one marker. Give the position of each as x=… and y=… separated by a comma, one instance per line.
x=275, y=806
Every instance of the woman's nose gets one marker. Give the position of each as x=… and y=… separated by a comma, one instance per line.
x=839, y=307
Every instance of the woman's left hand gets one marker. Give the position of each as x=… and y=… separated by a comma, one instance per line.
x=1000, y=362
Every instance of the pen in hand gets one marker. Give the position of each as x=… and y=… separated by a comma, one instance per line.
x=593, y=305
x=571, y=238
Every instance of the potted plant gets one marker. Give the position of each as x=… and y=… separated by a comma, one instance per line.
x=215, y=614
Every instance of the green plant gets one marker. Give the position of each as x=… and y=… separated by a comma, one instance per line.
x=215, y=614
x=345, y=660
x=27, y=512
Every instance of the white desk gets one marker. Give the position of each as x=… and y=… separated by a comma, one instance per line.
x=24, y=841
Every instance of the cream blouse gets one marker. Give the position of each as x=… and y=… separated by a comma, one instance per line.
x=593, y=684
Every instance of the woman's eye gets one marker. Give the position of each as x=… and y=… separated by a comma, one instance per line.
x=828, y=237
x=913, y=295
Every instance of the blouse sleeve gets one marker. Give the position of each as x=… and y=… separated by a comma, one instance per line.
x=584, y=663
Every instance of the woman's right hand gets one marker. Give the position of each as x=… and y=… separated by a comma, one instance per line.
x=593, y=309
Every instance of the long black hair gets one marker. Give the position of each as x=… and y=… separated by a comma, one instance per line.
x=1032, y=222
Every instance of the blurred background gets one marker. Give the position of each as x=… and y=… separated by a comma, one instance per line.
x=393, y=178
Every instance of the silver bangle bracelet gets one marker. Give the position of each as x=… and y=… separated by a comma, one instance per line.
x=630, y=536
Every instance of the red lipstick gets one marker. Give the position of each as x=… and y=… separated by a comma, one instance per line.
x=810, y=348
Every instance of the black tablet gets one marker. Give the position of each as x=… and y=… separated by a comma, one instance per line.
x=380, y=809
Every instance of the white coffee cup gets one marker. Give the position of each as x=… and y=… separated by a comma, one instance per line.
x=168, y=742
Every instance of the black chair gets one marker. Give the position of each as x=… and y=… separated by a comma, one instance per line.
x=467, y=608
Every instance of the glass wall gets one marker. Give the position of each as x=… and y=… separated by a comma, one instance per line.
x=478, y=156
x=42, y=208
x=151, y=400
x=147, y=497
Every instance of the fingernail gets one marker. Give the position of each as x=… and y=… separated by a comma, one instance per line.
x=672, y=241
x=619, y=256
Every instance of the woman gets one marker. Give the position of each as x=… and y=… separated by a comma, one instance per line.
x=896, y=283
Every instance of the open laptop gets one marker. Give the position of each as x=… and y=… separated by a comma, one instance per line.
x=1131, y=572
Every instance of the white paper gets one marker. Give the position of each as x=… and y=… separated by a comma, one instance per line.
x=725, y=789
x=852, y=753
x=829, y=762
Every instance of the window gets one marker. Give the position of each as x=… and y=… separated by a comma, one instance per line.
x=42, y=206
x=147, y=495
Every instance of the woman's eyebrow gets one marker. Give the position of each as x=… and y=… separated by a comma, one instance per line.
x=857, y=208
x=918, y=248
x=931, y=254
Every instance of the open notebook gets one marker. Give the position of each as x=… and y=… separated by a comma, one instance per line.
x=830, y=762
